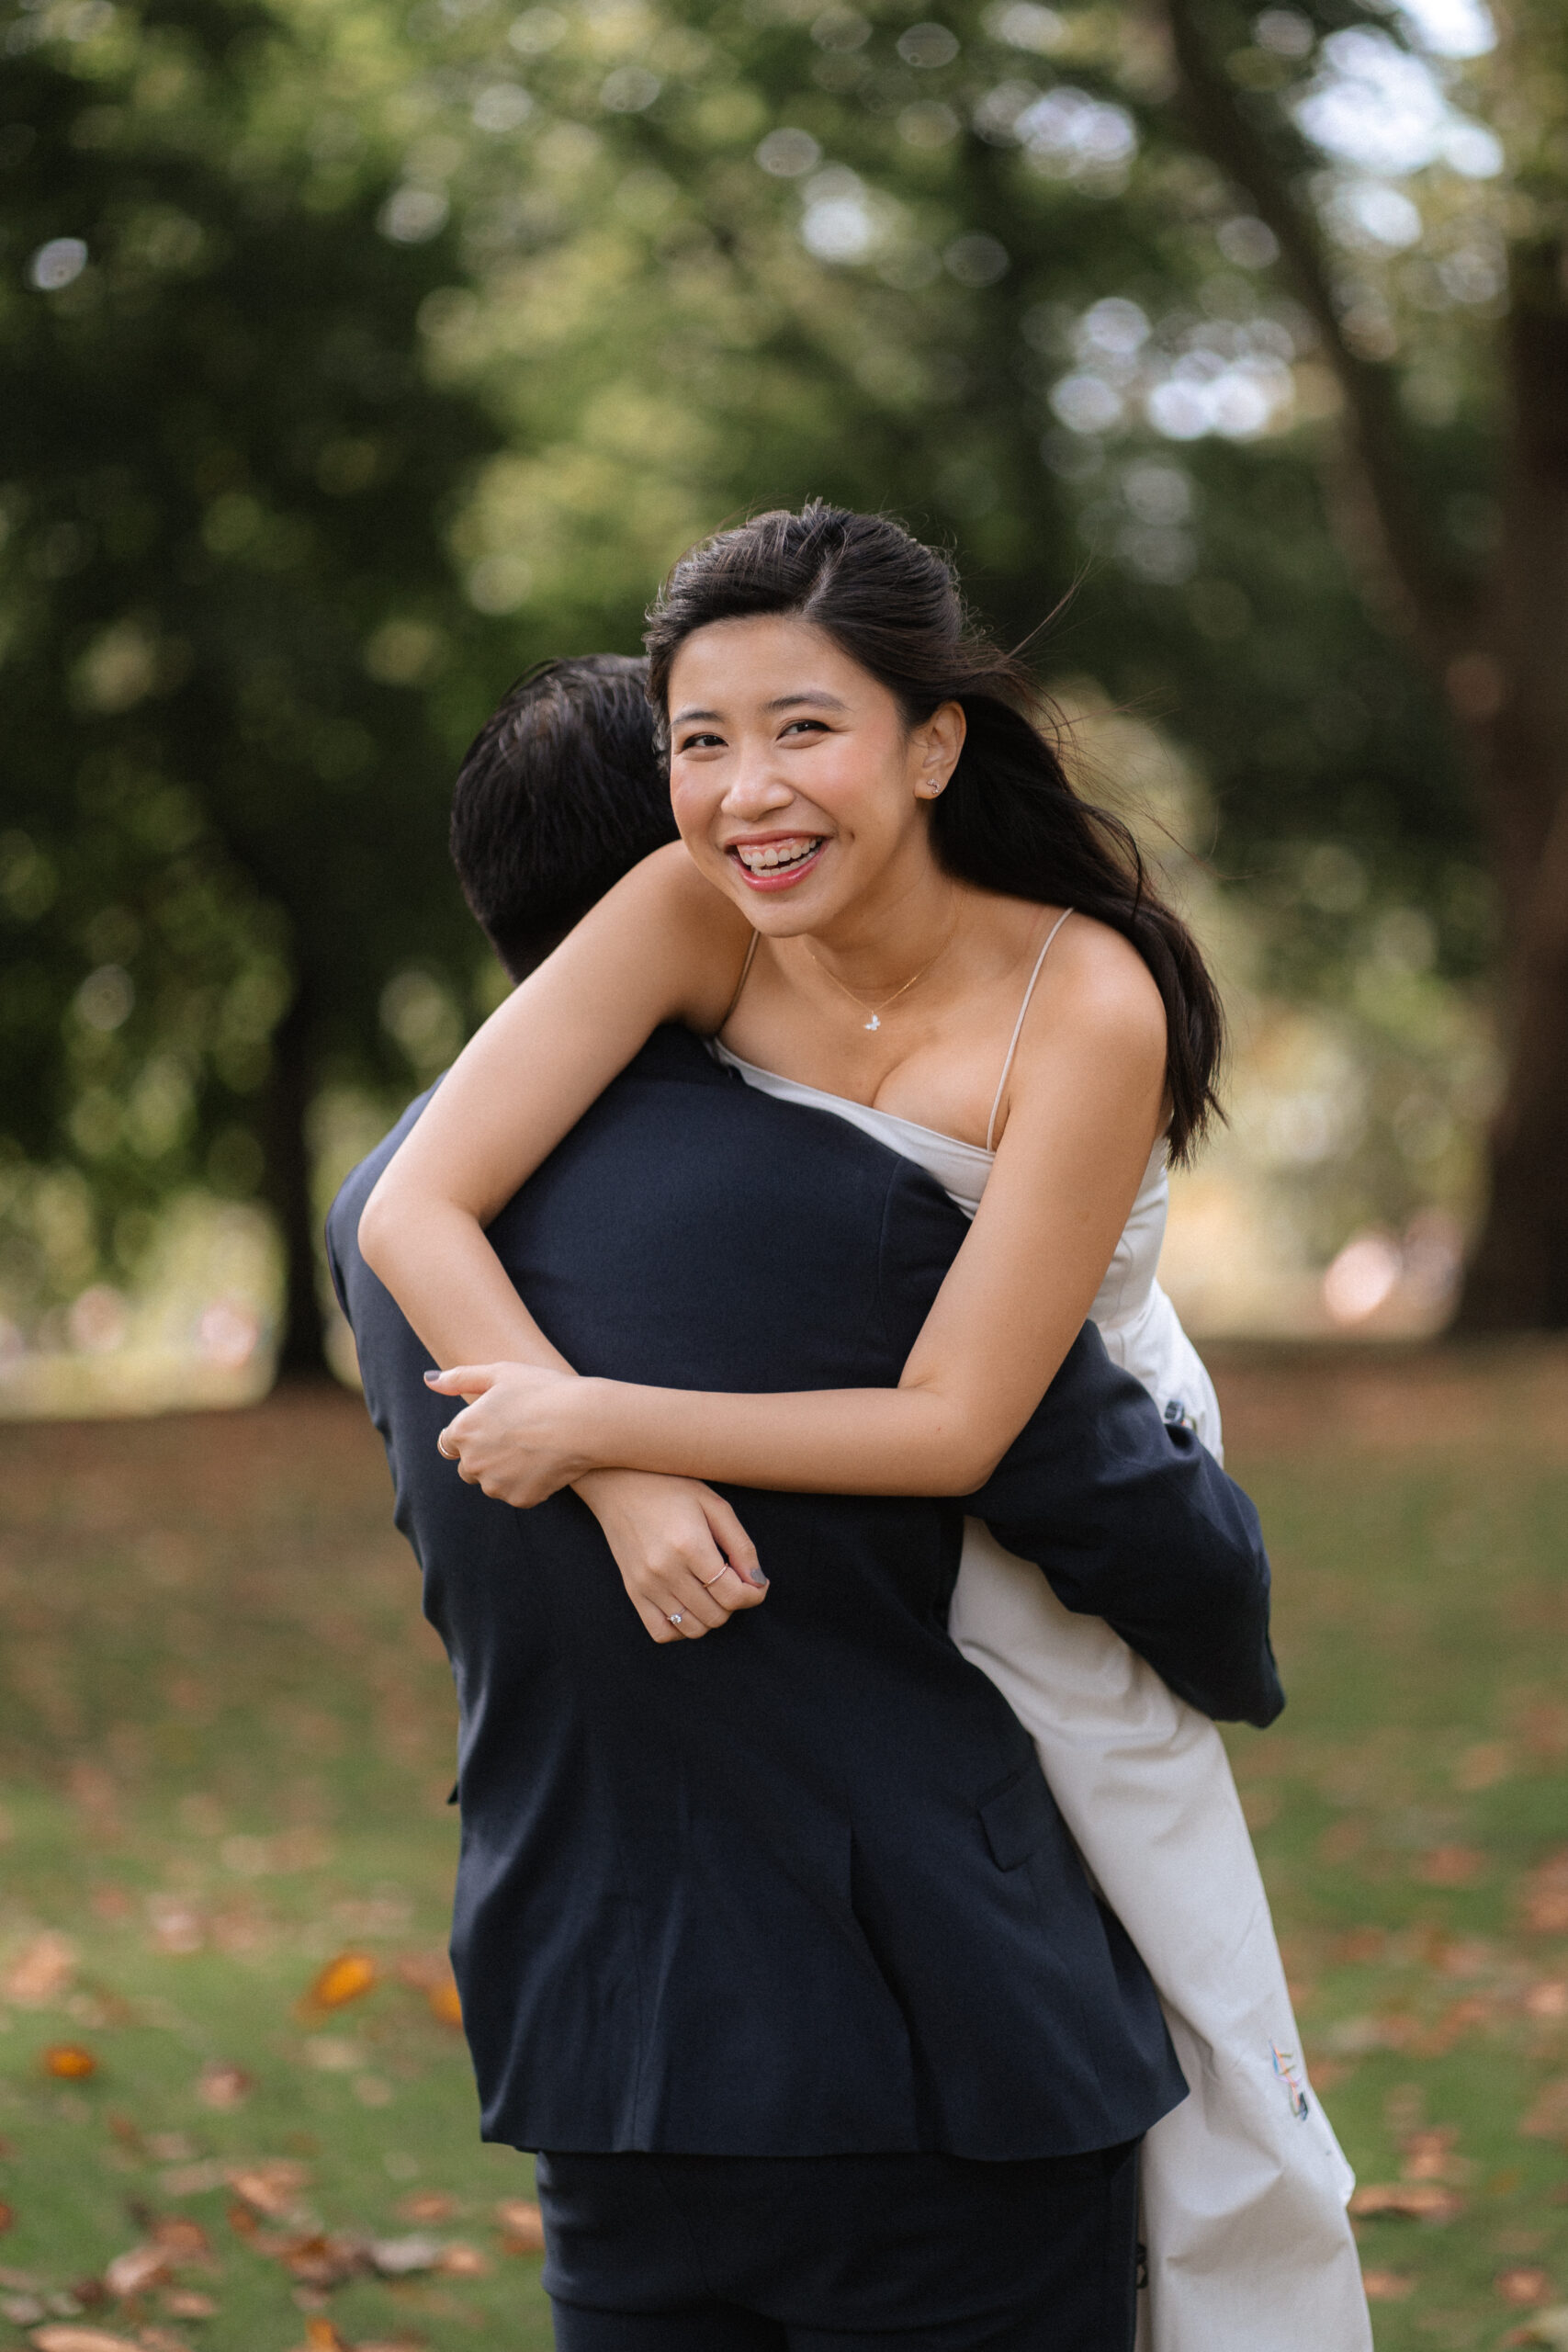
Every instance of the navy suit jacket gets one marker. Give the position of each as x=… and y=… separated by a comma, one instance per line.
x=799, y=1889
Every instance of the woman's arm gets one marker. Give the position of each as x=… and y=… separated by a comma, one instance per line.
x=666, y=944
x=662, y=945
x=1087, y=1105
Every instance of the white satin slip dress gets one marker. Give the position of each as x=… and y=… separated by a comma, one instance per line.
x=1244, y=2185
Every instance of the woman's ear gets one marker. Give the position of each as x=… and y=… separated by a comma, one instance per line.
x=937, y=746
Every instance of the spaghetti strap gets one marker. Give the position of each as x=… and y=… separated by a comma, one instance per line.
x=745, y=971
x=1016, y=1026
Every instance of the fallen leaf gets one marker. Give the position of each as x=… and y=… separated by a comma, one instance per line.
x=523, y=2225
x=1451, y=1866
x=348, y=1978
x=321, y=2261
x=1485, y=1766
x=40, y=1971
x=1523, y=2286
x=69, y=2062
x=182, y=2239
x=194, y=2181
x=1548, y=2119
x=63, y=2337
x=271, y=2189
x=188, y=2302
x=1386, y=2286
x=133, y=2272
x=1410, y=2200
x=7, y=2217
x=161, y=2339
x=461, y=2261
x=445, y=2002
x=1548, y=1999
x=1429, y=2155
x=1546, y=1896
x=222, y=2086
x=321, y=2335
x=427, y=2205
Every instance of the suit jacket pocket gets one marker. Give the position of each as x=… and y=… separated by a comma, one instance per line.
x=1018, y=1819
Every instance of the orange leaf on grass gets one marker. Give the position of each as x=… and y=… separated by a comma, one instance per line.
x=427, y=2205
x=40, y=1971
x=222, y=2086
x=461, y=2261
x=522, y=2225
x=1548, y=2119
x=8, y=2216
x=1387, y=2286
x=321, y=2335
x=65, y=2335
x=69, y=2062
x=1528, y=2285
x=188, y=2302
x=1451, y=1866
x=1407, y=2200
x=270, y=2189
x=430, y=1972
x=348, y=1978
x=1546, y=1896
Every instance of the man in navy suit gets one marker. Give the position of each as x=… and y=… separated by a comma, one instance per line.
x=776, y=1944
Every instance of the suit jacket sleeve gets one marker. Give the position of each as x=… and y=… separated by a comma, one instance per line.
x=1136, y=1522
x=1128, y=1520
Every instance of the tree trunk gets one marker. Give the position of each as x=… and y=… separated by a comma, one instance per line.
x=1517, y=689
x=302, y=1352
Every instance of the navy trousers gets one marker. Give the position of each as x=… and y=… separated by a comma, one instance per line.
x=823, y=2254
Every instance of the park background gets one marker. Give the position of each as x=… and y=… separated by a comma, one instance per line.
x=353, y=356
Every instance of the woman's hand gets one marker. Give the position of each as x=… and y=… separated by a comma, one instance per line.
x=682, y=1554
x=524, y=1435
x=679, y=1548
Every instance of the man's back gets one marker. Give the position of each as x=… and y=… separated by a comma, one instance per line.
x=799, y=1888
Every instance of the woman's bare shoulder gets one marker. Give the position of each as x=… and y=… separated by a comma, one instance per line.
x=1103, y=995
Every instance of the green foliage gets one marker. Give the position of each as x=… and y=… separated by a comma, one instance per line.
x=225, y=594
x=351, y=358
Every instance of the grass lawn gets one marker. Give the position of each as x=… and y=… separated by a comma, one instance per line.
x=225, y=1746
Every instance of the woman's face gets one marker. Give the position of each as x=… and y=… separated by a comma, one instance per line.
x=796, y=781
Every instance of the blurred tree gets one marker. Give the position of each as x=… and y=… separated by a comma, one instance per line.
x=226, y=603
x=1494, y=631
x=1214, y=301
x=1201, y=312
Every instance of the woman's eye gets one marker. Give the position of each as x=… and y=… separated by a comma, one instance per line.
x=806, y=727
x=700, y=743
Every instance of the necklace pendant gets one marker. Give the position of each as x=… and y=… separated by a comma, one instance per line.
x=876, y=1021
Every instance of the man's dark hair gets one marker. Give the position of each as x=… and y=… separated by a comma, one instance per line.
x=559, y=794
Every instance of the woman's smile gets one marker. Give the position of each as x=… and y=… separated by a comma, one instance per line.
x=774, y=862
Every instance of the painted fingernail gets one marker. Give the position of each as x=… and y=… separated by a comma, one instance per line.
x=755, y=1576
x=431, y=1378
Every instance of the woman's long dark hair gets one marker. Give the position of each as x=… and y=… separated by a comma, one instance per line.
x=1010, y=819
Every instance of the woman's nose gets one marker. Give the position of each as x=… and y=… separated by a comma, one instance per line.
x=757, y=790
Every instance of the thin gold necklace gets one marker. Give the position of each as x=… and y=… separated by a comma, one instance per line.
x=876, y=1012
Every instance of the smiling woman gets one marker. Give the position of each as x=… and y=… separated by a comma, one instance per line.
x=888, y=906
x=877, y=840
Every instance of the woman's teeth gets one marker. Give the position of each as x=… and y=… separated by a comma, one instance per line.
x=769, y=858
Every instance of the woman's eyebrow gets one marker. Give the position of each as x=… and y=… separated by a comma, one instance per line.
x=820, y=701
x=684, y=718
